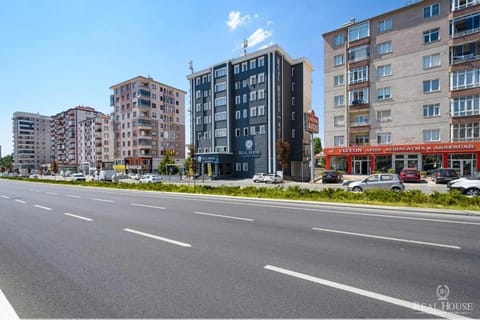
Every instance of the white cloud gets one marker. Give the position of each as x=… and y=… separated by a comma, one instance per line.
x=258, y=36
x=235, y=20
x=266, y=45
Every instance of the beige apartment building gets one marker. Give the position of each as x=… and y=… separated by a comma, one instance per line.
x=402, y=89
x=96, y=143
x=65, y=135
x=149, y=123
x=31, y=141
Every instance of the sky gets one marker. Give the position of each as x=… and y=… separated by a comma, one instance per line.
x=58, y=54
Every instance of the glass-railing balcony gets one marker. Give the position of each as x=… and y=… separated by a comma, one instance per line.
x=465, y=25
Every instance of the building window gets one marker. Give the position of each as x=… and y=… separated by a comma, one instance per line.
x=431, y=35
x=238, y=85
x=384, y=115
x=431, y=135
x=238, y=166
x=206, y=93
x=221, y=116
x=222, y=86
x=261, y=94
x=204, y=79
x=261, y=77
x=431, y=61
x=384, y=48
x=261, y=110
x=237, y=115
x=198, y=107
x=432, y=10
x=253, y=96
x=253, y=80
x=339, y=39
x=359, y=31
x=245, y=131
x=461, y=4
x=338, y=80
x=338, y=60
x=293, y=133
x=465, y=106
x=431, y=85
x=245, y=113
x=220, y=72
x=205, y=120
x=198, y=120
x=361, y=120
x=466, y=132
x=237, y=99
x=384, y=71
x=465, y=79
x=252, y=130
x=465, y=25
x=253, y=64
x=338, y=141
x=385, y=25
x=198, y=94
x=293, y=115
x=339, y=121
x=358, y=96
x=359, y=53
x=220, y=132
x=205, y=106
x=384, y=138
x=245, y=98
x=384, y=93
x=220, y=101
x=357, y=75
x=339, y=101
x=261, y=129
x=253, y=112
x=236, y=69
x=244, y=66
x=261, y=61
x=245, y=166
x=431, y=110
x=237, y=132
x=245, y=83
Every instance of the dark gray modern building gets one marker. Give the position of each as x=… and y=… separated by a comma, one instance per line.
x=241, y=108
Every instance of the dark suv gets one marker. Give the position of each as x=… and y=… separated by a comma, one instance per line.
x=331, y=176
x=444, y=175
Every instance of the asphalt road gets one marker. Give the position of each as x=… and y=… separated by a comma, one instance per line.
x=80, y=252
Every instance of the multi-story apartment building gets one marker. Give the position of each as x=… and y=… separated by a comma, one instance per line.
x=96, y=142
x=31, y=141
x=402, y=89
x=149, y=123
x=242, y=107
x=65, y=136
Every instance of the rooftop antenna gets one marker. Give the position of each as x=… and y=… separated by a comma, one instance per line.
x=245, y=46
x=190, y=66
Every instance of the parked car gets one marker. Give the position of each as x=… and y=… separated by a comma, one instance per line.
x=466, y=186
x=151, y=178
x=33, y=176
x=410, y=175
x=258, y=177
x=443, y=175
x=272, y=178
x=331, y=176
x=78, y=177
x=474, y=177
x=119, y=176
x=384, y=181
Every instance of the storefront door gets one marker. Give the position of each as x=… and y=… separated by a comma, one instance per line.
x=463, y=167
x=361, y=165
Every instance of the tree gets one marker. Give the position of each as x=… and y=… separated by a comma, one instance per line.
x=162, y=166
x=283, y=153
x=317, y=145
x=6, y=161
x=187, y=164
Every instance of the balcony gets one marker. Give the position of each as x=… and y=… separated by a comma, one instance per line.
x=144, y=124
x=144, y=143
x=464, y=26
x=358, y=105
x=459, y=5
x=359, y=127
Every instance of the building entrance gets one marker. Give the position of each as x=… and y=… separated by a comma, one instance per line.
x=465, y=164
x=361, y=165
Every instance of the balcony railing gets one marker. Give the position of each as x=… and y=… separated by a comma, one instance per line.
x=359, y=124
x=465, y=58
x=469, y=3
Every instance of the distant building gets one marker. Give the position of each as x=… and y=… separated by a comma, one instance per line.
x=241, y=109
x=65, y=132
x=149, y=123
x=31, y=141
x=402, y=90
x=96, y=142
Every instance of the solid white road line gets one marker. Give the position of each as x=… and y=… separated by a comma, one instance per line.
x=72, y=196
x=102, y=200
x=390, y=239
x=6, y=309
x=20, y=201
x=5, y=197
x=77, y=216
x=366, y=293
x=148, y=235
x=222, y=216
x=42, y=207
x=146, y=206
x=52, y=193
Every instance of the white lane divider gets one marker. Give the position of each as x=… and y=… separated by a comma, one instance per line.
x=42, y=207
x=6, y=309
x=147, y=206
x=20, y=201
x=73, y=196
x=222, y=216
x=102, y=200
x=148, y=235
x=5, y=197
x=77, y=216
x=52, y=193
x=390, y=239
x=366, y=293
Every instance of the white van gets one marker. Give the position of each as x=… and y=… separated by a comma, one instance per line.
x=104, y=175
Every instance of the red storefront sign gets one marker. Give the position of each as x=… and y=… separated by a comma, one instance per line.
x=425, y=148
x=311, y=122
